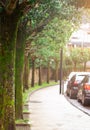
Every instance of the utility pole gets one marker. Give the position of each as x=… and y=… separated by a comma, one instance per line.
x=61, y=58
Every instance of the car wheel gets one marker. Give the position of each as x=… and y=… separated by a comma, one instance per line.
x=84, y=102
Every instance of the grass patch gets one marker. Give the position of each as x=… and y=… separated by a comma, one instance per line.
x=21, y=121
x=36, y=87
x=25, y=110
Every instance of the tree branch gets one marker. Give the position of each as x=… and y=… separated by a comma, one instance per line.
x=25, y=6
x=11, y=5
x=2, y=3
x=40, y=27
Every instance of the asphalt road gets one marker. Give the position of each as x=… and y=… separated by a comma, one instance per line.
x=52, y=111
x=78, y=105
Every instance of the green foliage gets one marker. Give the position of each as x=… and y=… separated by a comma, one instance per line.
x=46, y=45
x=45, y=10
x=75, y=56
x=85, y=54
x=62, y=16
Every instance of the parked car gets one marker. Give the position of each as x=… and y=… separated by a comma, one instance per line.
x=70, y=76
x=73, y=82
x=83, y=94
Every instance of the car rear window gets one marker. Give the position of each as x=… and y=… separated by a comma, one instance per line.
x=89, y=79
x=80, y=77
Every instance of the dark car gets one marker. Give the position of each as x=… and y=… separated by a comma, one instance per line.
x=83, y=94
x=72, y=85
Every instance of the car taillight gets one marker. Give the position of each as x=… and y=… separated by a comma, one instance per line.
x=87, y=86
x=75, y=83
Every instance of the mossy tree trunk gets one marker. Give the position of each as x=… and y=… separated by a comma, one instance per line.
x=19, y=69
x=26, y=72
x=40, y=77
x=8, y=34
x=33, y=74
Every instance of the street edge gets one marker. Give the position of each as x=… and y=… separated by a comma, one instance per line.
x=79, y=108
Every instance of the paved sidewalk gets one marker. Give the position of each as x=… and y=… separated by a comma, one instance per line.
x=51, y=111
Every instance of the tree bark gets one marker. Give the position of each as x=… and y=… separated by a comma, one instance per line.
x=56, y=71
x=26, y=72
x=40, y=77
x=48, y=72
x=19, y=71
x=8, y=34
x=33, y=74
x=75, y=66
x=84, y=66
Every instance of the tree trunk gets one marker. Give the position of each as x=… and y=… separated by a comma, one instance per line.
x=75, y=66
x=84, y=66
x=26, y=73
x=40, y=78
x=48, y=72
x=56, y=72
x=33, y=73
x=8, y=34
x=19, y=71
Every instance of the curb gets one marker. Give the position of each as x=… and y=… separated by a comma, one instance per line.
x=78, y=107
